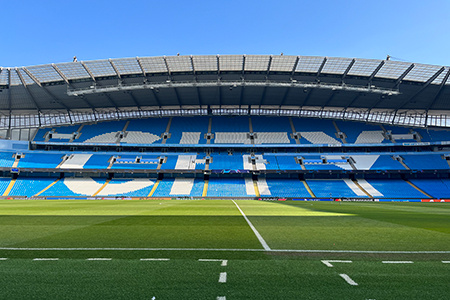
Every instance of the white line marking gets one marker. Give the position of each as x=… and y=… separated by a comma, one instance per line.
x=99, y=258
x=260, y=238
x=348, y=279
x=446, y=261
x=221, y=298
x=37, y=259
x=227, y=249
x=328, y=262
x=3, y=258
x=155, y=259
x=397, y=262
x=223, y=277
x=223, y=264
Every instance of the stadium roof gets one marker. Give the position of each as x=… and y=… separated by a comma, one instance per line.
x=345, y=88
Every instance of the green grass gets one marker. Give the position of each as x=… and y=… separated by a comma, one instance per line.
x=217, y=224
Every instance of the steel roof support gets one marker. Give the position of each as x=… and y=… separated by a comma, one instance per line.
x=9, y=103
x=115, y=68
x=283, y=100
x=60, y=73
x=333, y=93
x=263, y=97
x=167, y=67
x=29, y=74
x=295, y=66
x=177, y=96
x=88, y=71
x=219, y=93
x=133, y=98
x=439, y=92
x=350, y=65
x=268, y=66
x=29, y=94
x=241, y=95
x=156, y=97
x=399, y=80
x=424, y=86
x=377, y=69
x=243, y=67
x=195, y=79
x=70, y=117
x=308, y=95
x=321, y=67
x=141, y=67
x=218, y=64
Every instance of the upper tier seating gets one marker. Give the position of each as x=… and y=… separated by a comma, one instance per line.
x=188, y=130
x=102, y=132
x=237, y=130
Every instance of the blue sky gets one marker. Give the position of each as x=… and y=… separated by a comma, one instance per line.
x=51, y=31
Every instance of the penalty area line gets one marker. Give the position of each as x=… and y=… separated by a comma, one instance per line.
x=259, y=236
x=348, y=279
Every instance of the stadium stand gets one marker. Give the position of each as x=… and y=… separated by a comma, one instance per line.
x=227, y=187
x=194, y=130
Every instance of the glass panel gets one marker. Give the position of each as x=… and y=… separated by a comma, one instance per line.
x=309, y=64
x=153, y=64
x=364, y=67
x=283, y=63
x=336, y=65
x=231, y=62
x=256, y=62
x=100, y=68
x=45, y=73
x=421, y=73
x=127, y=66
x=205, y=63
x=73, y=70
x=392, y=69
x=179, y=63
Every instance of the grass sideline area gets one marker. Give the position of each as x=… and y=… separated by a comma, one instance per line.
x=139, y=249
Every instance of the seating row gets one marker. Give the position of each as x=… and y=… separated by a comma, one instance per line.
x=217, y=161
x=226, y=187
x=237, y=130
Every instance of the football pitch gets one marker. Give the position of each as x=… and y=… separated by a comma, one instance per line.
x=223, y=249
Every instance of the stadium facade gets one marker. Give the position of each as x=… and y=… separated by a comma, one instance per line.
x=200, y=126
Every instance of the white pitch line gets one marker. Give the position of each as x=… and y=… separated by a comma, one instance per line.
x=155, y=259
x=223, y=277
x=223, y=264
x=3, y=258
x=44, y=259
x=260, y=238
x=397, y=262
x=348, y=279
x=328, y=262
x=227, y=249
x=446, y=261
x=221, y=298
x=98, y=258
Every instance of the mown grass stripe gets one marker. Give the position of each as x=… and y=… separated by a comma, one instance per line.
x=258, y=235
x=227, y=249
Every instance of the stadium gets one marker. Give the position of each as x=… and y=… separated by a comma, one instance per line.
x=226, y=175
